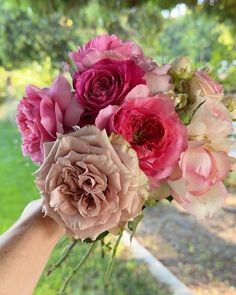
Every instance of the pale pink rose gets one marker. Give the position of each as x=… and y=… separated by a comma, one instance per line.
x=90, y=183
x=203, y=85
x=212, y=122
x=158, y=80
x=200, y=190
x=44, y=112
x=153, y=129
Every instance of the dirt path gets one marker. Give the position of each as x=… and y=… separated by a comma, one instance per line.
x=201, y=254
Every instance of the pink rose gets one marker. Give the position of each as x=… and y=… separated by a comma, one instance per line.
x=107, y=82
x=212, y=122
x=202, y=85
x=153, y=129
x=44, y=112
x=200, y=190
x=90, y=183
x=104, y=47
x=111, y=47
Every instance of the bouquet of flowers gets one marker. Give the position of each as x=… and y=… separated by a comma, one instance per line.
x=124, y=134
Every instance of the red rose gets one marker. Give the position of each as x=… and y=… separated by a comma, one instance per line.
x=153, y=129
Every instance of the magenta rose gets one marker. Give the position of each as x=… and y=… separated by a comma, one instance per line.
x=153, y=129
x=44, y=112
x=107, y=82
x=111, y=47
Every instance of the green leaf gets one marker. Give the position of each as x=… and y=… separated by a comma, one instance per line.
x=111, y=262
x=185, y=117
x=101, y=236
x=132, y=225
x=195, y=110
x=151, y=202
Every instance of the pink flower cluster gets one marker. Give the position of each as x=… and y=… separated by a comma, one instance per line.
x=87, y=179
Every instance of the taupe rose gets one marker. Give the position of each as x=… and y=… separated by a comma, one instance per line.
x=91, y=183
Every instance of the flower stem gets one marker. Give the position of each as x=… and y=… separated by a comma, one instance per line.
x=112, y=260
x=76, y=268
x=63, y=258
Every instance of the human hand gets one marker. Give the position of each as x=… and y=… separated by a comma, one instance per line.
x=32, y=214
x=25, y=249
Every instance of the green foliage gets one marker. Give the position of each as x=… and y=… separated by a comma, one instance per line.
x=132, y=225
x=34, y=37
x=32, y=34
x=17, y=187
x=13, y=82
x=100, y=237
x=192, y=35
x=204, y=40
x=225, y=10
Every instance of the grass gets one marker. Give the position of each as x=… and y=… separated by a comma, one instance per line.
x=17, y=189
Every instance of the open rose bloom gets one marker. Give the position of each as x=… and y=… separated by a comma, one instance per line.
x=91, y=183
x=123, y=133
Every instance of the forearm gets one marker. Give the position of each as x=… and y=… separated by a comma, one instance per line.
x=24, y=252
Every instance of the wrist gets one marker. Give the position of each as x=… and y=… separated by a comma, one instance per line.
x=34, y=220
x=50, y=227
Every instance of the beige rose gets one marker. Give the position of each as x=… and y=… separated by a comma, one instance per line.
x=90, y=183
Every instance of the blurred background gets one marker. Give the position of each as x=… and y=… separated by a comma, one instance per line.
x=35, y=37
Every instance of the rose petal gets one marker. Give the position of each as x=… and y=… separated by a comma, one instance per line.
x=60, y=92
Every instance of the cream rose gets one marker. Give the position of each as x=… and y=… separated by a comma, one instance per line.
x=181, y=68
x=91, y=183
x=212, y=123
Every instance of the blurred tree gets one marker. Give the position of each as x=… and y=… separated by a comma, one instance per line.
x=33, y=30
x=204, y=40
x=224, y=9
x=25, y=36
x=35, y=36
x=194, y=35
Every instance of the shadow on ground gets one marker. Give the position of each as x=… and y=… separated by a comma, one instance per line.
x=201, y=254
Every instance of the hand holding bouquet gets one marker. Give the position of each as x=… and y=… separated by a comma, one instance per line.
x=126, y=134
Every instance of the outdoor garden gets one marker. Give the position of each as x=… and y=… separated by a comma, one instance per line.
x=35, y=36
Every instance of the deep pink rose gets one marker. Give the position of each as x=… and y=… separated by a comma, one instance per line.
x=103, y=47
x=111, y=47
x=200, y=189
x=153, y=129
x=44, y=112
x=107, y=82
